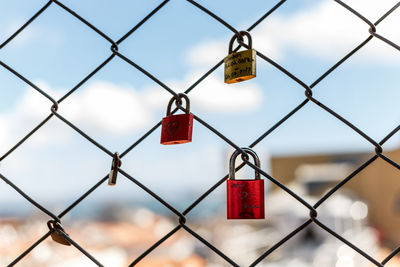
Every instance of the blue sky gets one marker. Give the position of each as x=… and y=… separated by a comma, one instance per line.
x=119, y=104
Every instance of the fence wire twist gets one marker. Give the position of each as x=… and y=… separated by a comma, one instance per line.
x=181, y=215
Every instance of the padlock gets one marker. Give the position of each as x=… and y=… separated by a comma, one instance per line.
x=57, y=233
x=116, y=163
x=245, y=198
x=177, y=129
x=240, y=66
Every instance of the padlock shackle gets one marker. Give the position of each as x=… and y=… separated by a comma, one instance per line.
x=233, y=159
x=240, y=38
x=54, y=226
x=174, y=98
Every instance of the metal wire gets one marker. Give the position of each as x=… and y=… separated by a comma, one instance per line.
x=181, y=219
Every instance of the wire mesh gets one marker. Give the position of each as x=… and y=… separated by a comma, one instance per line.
x=181, y=216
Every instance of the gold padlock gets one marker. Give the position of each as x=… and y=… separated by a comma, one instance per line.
x=240, y=66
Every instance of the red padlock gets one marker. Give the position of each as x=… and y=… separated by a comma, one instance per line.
x=245, y=198
x=177, y=129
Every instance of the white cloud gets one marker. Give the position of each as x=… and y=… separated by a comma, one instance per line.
x=211, y=95
x=102, y=106
x=29, y=111
x=97, y=107
x=326, y=30
x=329, y=31
x=207, y=53
x=28, y=34
x=4, y=133
x=32, y=33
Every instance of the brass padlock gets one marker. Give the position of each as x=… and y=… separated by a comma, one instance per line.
x=240, y=66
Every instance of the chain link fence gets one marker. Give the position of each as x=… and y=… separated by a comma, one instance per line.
x=55, y=229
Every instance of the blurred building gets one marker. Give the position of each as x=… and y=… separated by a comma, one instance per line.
x=378, y=184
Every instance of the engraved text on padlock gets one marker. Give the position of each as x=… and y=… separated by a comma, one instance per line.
x=240, y=66
x=57, y=233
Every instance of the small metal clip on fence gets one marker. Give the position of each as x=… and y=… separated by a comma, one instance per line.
x=58, y=234
x=116, y=163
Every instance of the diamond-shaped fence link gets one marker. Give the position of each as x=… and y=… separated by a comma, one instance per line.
x=181, y=219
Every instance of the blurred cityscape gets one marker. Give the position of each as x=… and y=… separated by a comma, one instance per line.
x=365, y=211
